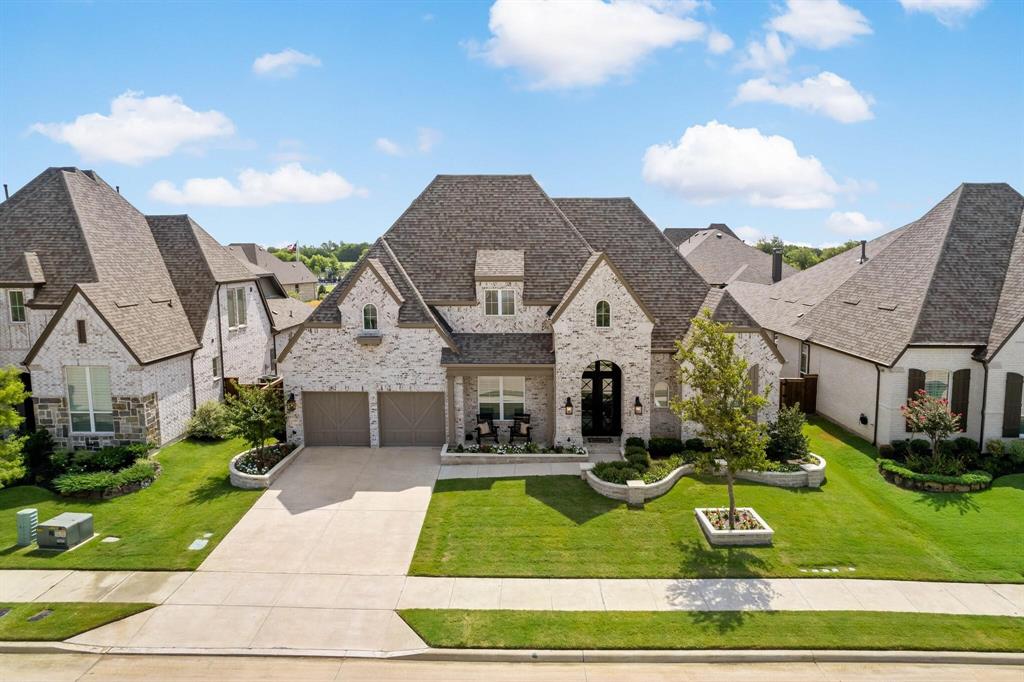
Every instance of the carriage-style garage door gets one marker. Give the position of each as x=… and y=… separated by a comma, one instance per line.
x=336, y=418
x=411, y=418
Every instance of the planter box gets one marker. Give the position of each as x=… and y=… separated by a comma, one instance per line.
x=495, y=458
x=809, y=476
x=735, y=538
x=257, y=481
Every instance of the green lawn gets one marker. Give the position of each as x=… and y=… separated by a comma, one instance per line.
x=66, y=620
x=557, y=526
x=714, y=630
x=191, y=497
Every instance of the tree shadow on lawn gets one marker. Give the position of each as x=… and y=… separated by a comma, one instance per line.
x=213, y=488
x=567, y=495
x=962, y=502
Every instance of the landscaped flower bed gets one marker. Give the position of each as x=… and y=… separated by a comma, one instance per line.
x=750, y=528
x=744, y=520
x=255, y=469
x=517, y=449
x=511, y=453
x=905, y=478
x=102, y=474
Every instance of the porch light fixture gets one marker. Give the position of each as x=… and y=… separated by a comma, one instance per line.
x=568, y=406
x=290, y=403
x=638, y=409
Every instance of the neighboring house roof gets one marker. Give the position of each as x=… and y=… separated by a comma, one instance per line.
x=196, y=263
x=941, y=280
x=678, y=235
x=501, y=349
x=288, y=272
x=721, y=258
x=88, y=238
x=666, y=284
x=287, y=312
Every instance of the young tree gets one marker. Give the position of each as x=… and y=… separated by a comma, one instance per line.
x=721, y=403
x=12, y=394
x=255, y=415
x=931, y=416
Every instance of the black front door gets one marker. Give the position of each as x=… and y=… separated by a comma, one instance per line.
x=601, y=402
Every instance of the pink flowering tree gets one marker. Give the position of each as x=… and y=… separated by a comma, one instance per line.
x=931, y=416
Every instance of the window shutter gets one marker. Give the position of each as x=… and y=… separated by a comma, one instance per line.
x=915, y=383
x=1011, y=405
x=960, y=396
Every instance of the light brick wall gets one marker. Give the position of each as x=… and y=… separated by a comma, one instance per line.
x=846, y=389
x=246, y=349
x=790, y=349
x=755, y=349
x=17, y=338
x=330, y=359
x=305, y=292
x=471, y=319
x=170, y=381
x=1009, y=359
x=537, y=403
x=664, y=422
x=579, y=342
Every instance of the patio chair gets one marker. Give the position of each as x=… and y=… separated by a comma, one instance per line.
x=485, y=429
x=520, y=429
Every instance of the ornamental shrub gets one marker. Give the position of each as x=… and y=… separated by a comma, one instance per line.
x=616, y=472
x=635, y=441
x=210, y=422
x=100, y=481
x=695, y=444
x=786, y=439
x=639, y=458
x=969, y=478
x=900, y=450
x=38, y=448
x=661, y=447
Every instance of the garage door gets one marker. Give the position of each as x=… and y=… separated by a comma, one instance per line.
x=336, y=418
x=411, y=418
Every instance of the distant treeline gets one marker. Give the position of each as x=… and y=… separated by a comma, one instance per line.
x=329, y=261
x=803, y=257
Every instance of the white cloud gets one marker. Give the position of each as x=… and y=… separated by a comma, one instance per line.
x=290, y=183
x=822, y=24
x=749, y=234
x=719, y=43
x=825, y=93
x=770, y=56
x=853, y=224
x=950, y=13
x=427, y=139
x=138, y=129
x=388, y=146
x=283, y=64
x=582, y=43
x=716, y=161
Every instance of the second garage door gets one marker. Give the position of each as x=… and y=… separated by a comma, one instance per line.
x=336, y=418
x=411, y=418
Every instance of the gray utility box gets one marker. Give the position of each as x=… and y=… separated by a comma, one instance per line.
x=64, y=531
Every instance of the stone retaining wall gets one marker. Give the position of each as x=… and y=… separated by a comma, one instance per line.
x=932, y=486
x=257, y=481
x=809, y=476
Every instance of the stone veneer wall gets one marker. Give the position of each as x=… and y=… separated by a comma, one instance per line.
x=471, y=319
x=331, y=359
x=580, y=342
x=136, y=420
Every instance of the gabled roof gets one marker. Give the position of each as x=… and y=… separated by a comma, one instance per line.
x=23, y=271
x=721, y=258
x=197, y=263
x=941, y=280
x=662, y=279
x=678, y=235
x=86, y=235
x=288, y=272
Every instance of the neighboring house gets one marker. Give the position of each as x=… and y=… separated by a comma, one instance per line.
x=121, y=322
x=934, y=305
x=722, y=258
x=488, y=297
x=678, y=235
x=294, y=276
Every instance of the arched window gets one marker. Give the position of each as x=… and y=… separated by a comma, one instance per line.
x=369, y=316
x=604, y=314
x=661, y=394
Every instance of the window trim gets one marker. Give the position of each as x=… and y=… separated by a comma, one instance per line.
x=500, y=302
x=20, y=306
x=92, y=412
x=237, y=308
x=668, y=395
x=215, y=367
x=372, y=309
x=805, y=357
x=606, y=314
x=501, y=395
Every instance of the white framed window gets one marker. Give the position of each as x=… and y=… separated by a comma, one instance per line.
x=216, y=368
x=89, y=402
x=369, y=317
x=805, y=358
x=661, y=394
x=17, y=301
x=604, y=314
x=501, y=302
x=936, y=383
x=501, y=397
x=236, y=307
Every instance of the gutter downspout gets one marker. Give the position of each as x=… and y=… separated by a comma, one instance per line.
x=220, y=344
x=984, y=404
x=192, y=368
x=878, y=388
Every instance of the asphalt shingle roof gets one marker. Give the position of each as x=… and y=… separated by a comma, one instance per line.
x=288, y=272
x=721, y=258
x=678, y=235
x=501, y=349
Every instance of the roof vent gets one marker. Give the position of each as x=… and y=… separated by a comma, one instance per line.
x=887, y=306
x=851, y=301
x=718, y=235
x=863, y=252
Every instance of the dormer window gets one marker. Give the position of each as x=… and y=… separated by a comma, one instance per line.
x=369, y=317
x=604, y=314
x=501, y=302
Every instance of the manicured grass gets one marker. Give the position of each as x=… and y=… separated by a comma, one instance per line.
x=67, y=620
x=191, y=497
x=557, y=526
x=463, y=629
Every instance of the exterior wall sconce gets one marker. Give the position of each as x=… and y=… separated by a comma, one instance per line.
x=290, y=403
x=863, y=419
x=568, y=406
x=638, y=409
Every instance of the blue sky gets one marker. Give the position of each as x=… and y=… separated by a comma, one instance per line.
x=815, y=121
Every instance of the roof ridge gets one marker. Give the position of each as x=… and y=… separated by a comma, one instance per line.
x=416, y=292
x=81, y=228
x=562, y=215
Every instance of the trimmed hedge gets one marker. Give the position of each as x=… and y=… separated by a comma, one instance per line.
x=665, y=447
x=617, y=472
x=635, y=442
x=905, y=478
x=108, y=483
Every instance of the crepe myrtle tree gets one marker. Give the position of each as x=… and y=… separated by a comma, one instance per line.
x=931, y=416
x=255, y=415
x=722, y=403
x=12, y=394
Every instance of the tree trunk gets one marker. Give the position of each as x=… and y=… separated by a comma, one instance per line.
x=732, y=500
